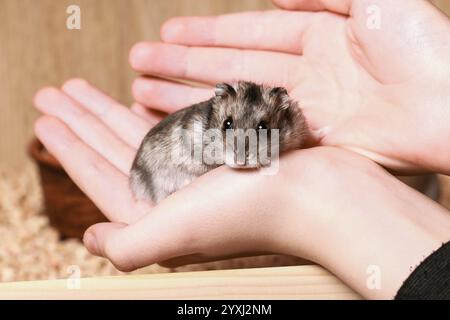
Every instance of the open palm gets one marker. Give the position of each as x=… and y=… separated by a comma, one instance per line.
x=363, y=71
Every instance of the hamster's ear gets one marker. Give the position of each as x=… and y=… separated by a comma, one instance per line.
x=224, y=90
x=280, y=97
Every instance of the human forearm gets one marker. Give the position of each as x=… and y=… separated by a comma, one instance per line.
x=380, y=227
x=389, y=247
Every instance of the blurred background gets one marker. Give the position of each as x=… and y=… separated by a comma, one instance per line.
x=36, y=50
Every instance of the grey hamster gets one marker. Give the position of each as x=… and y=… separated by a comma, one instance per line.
x=164, y=163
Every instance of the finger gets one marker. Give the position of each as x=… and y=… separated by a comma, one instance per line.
x=338, y=6
x=86, y=126
x=109, y=190
x=150, y=115
x=128, y=247
x=124, y=123
x=168, y=96
x=274, y=30
x=213, y=65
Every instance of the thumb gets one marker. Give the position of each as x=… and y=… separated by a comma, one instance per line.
x=98, y=240
x=156, y=237
x=198, y=220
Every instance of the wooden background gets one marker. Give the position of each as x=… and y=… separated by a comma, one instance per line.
x=36, y=49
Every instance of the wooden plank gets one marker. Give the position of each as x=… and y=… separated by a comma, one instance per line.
x=299, y=282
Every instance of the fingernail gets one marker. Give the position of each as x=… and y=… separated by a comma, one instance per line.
x=90, y=241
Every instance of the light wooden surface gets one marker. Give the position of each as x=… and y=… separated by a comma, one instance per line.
x=300, y=282
x=37, y=50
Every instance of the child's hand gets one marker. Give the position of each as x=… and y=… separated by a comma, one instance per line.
x=325, y=204
x=374, y=74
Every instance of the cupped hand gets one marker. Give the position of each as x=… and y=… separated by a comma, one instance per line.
x=371, y=76
x=320, y=202
x=222, y=214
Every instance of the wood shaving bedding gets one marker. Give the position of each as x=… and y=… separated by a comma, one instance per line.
x=29, y=248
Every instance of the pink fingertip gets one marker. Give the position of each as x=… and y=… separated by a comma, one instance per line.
x=140, y=54
x=44, y=128
x=91, y=243
x=74, y=83
x=171, y=30
x=44, y=94
x=140, y=87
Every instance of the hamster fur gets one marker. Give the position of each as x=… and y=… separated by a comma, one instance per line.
x=155, y=173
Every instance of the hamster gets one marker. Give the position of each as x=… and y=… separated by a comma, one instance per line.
x=164, y=162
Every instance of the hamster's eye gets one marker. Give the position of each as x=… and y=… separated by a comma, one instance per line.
x=228, y=124
x=261, y=126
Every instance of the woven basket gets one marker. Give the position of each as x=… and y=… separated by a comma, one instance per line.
x=69, y=210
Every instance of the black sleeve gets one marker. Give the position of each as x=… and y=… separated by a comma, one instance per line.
x=430, y=280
